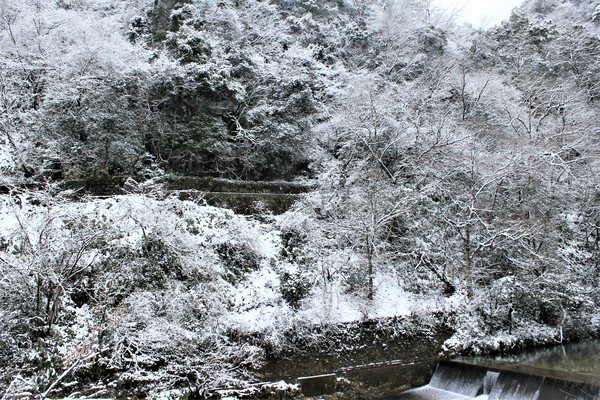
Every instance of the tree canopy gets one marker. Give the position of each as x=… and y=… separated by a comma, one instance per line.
x=454, y=174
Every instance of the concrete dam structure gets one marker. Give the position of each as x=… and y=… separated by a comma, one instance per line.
x=498, y=381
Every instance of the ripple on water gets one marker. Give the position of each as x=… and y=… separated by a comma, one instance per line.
x=581, y=357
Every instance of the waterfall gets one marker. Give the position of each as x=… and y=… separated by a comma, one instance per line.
x=459, y=378
x=462, y=380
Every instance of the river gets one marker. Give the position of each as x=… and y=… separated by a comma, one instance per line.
x=580, y=357
x=569, y=371
x=413, y=364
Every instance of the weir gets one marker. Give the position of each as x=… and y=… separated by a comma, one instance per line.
x=497, y=381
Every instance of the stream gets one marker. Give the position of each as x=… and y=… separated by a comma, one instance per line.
x=381, y=356
x=580, y=357
x=410, y=362
x=562, y=372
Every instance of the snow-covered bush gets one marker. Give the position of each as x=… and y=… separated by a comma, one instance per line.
x=129, y=289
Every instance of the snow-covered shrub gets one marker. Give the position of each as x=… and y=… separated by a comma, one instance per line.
x=189, y=45
x=133, y=291
x=292, y=241
x=295, y=286
x=511, y=314
x=238, y=259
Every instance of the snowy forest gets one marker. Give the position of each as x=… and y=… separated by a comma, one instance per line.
x=426, y=171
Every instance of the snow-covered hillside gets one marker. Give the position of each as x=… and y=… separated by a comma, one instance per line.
x=453, y=178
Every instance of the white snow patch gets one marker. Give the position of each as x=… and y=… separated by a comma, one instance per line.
x=390, y=299
x=431, y=393
x=7, y=162
x=258, y=306
x=332, y=303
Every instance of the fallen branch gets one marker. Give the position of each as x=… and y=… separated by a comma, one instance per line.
x=65, y=373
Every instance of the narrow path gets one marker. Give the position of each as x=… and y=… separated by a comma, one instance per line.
x=243, y=197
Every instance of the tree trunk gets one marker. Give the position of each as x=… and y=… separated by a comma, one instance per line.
x=369, y=267
x=468, y=260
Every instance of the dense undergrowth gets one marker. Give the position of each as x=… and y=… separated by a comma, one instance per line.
x=453, y=176
x=134, y=295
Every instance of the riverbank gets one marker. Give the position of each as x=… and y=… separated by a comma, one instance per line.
x=380, y=358
x=342, y=348
x=131, y=296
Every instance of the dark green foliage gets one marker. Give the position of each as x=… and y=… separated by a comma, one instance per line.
x=321, y=9
x=432, y=40
x=189, y=47
x=461, y=168
x=292, y=245
x=218, y=115
x=160, y=17
x=239, y=260
x=295, y=287
x=199, y=147
x=138, y=29
x=96, y=130
x=158, y=264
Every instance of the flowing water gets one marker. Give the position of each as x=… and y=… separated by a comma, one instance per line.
x=387, y=365
x=581, y=357
x=382, y=357
x=561, y=372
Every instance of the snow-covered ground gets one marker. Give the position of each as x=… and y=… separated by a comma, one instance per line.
x=166, y=277
x=194, y=231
